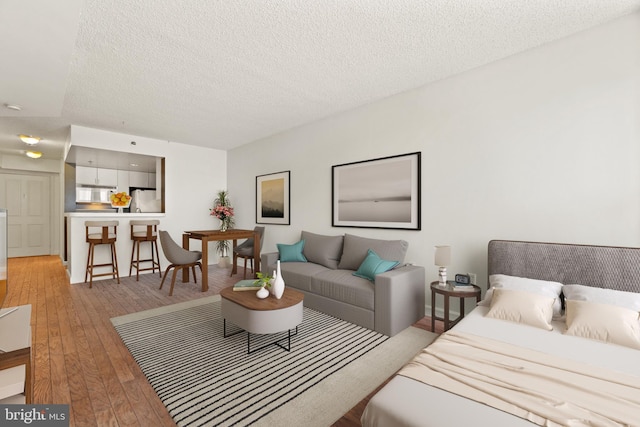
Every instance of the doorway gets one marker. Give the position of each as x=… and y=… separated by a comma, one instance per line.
x=28, y=204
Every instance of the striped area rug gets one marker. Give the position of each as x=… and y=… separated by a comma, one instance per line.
x=206, y=380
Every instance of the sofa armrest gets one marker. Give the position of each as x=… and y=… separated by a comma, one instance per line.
x=399, y=299
x=267, y=259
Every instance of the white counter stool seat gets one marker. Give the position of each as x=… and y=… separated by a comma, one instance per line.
x=101, y=233
x=144, y=231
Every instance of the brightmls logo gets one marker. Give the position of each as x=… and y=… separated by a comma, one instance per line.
x=26, y=416
x=35, y=415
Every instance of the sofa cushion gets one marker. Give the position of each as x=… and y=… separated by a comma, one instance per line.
x=373, y=265
x=355, y=250
x=342, y=285
x=298, y=275
x=291, y=253
x=323, y=250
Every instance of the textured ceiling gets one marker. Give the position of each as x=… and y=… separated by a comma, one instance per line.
x=225, y=73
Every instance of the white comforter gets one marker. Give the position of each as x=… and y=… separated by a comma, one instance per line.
x=407, y=402
x=545, y=389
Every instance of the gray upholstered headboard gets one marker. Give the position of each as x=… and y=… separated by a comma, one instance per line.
x=599, y=266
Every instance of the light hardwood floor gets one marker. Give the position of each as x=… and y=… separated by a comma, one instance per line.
x=80, y=360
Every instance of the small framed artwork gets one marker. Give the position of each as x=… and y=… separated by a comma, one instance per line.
x=273, y=198
x=377, y=193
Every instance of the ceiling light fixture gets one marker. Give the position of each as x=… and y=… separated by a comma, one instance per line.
x=34, y=154
x=28, y=139
x=13, y=107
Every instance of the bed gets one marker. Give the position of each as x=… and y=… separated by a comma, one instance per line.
x=409, y=400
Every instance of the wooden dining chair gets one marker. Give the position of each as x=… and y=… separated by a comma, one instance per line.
x=245, y=251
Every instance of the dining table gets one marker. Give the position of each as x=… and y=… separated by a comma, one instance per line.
x=206, y=236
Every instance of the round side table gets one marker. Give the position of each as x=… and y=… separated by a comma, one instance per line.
x=448, y=292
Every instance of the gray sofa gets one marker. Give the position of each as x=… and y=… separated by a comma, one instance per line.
x=390, y=303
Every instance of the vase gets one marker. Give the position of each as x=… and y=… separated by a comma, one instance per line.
x=278, y=283
x=224, y=225
x=273, y=279
x=224, y=262
x=262, y=293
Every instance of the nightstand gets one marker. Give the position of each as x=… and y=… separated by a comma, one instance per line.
x=448, y=292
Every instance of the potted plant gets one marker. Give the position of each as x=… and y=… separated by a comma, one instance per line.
x=263, y=280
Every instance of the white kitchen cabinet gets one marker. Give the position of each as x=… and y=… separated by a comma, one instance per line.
x=142, y=179
x=86, y=175
x=96, y=176
x=123, y=180
x=108, y=177
x=138, y=179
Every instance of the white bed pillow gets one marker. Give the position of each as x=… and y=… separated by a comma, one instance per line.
x=624, y=299
x=522, y=307
x=603, y=322
x=541, y=287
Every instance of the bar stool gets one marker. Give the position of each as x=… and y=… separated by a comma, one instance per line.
x=104, y=237
x=149, y=234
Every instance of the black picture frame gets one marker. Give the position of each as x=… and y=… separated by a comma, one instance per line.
x=378, y=193
x=273, y=198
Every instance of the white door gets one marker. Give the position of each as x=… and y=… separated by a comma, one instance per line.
x=27, y=200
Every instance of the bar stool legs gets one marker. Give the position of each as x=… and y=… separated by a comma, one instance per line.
x=90, y=264
x=135, y=258
x=104, y=237
x=149, y=234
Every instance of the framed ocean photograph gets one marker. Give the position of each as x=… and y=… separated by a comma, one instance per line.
x=377, y=193
x=273, y=198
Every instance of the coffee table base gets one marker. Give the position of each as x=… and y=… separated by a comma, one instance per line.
x=249, y=351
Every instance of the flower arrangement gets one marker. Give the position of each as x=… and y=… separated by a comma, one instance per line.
x=224, y=212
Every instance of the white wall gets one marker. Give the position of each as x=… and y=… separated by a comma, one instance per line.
x=193, y=176
x=542, y=146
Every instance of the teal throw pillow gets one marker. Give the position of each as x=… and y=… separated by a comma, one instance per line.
x=291, y=253
x=373, y=265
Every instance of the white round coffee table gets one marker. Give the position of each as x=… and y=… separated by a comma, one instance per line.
x=262, y=316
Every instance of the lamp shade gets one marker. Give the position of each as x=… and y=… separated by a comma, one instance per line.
x=442, y=256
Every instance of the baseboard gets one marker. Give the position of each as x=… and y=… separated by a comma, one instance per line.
x=453, y=314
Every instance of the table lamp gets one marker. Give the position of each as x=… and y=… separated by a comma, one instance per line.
x=442, y=260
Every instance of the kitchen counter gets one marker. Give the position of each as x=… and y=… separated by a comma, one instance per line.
x=77, y=247
x=92, y=213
